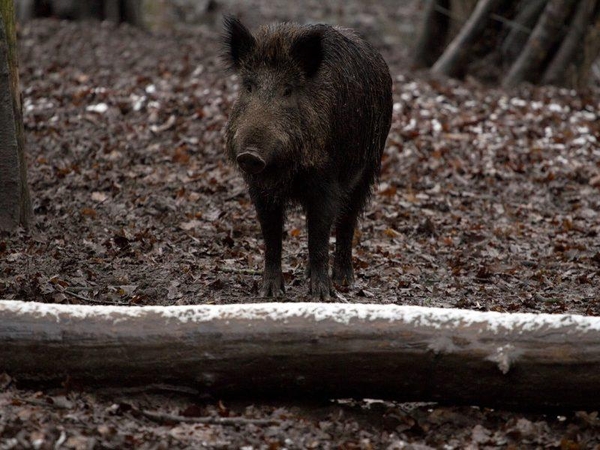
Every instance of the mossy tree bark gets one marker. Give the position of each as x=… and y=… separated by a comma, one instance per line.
x=513, y=41
x=15, y=203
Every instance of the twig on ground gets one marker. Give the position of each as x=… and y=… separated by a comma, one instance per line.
x=242, y=271
x=91, y=300
x=157, y=387
x=44, y=403
x=165, y=417
x=81, y=297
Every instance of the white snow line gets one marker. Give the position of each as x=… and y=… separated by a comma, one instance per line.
x=440, y=318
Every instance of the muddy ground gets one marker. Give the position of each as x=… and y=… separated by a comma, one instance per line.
x=488, y=200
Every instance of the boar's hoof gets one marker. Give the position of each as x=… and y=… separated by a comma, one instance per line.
x=343, y=276
x=251, y=162
x=321, y=288
x=273, y=286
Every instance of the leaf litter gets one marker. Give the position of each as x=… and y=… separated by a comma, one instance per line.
x=488, y=200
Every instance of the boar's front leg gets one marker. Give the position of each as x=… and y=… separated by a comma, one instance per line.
x=271, y=219
x=319, y=217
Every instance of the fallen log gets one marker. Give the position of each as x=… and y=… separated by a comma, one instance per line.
x=299, y=350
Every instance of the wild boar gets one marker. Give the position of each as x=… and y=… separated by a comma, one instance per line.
x=309, y=128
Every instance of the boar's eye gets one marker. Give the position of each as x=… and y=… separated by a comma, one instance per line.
x=248, y=86
x=287, y=91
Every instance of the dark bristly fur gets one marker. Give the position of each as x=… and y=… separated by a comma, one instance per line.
x=309, y=127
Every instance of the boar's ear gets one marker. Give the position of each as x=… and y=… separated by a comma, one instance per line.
x=307, y=50
x=238, y=41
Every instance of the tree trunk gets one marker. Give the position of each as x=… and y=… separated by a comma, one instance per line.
x=509, y=42
x=432, y=35
x=520, y=30
x=25, y=9
x=544, y=36
x=15, y=204
x=570, y=54
x=459, y=13
x=300, y=350
x=453, y=56
x=112, y=10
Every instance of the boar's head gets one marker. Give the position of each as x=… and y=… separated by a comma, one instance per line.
x=280, y=121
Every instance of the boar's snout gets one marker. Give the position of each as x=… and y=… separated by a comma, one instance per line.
x=250, y=161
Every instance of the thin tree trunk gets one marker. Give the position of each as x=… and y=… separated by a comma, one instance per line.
x=112, y=10
x=15, y=204
x=300, y=350
x=454, y=55
x=545, y=35
x=25, y=9
x=591, y=49
x=521, y=30
x=132, y=12
x=571, y=50
x=432, y=34
x=459, y=12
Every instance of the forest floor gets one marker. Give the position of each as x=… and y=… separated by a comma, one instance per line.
x=488, y=200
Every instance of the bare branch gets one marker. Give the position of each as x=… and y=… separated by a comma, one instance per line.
x=173, y=418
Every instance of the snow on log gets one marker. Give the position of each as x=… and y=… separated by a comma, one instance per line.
x=276, y=350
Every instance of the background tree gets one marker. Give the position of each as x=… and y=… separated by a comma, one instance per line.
x=511, y=41
x=15, y=204
x=113, y=10
x=152, y=14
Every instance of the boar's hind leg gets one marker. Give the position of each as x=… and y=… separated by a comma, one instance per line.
x=319, y=216
x=343, y=274
x=271, y=222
